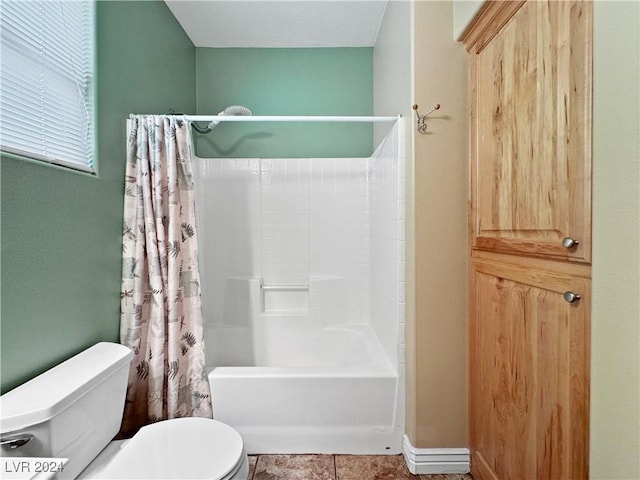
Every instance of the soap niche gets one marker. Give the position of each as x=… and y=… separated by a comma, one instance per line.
x=281, y=299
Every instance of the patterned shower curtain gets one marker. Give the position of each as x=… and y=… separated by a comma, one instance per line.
x=161, y=315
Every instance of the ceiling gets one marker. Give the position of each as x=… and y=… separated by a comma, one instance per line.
x=282, y=24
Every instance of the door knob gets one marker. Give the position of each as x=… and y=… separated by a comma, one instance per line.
x=571, y=297
x=568, y=242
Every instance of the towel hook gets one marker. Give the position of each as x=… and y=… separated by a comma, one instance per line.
x=422, y=119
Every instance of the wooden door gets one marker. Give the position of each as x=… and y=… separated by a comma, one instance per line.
x=529, y=361
x=531, y=130
x=530, y=91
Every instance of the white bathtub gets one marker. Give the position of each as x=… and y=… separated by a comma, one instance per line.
x=309, y=390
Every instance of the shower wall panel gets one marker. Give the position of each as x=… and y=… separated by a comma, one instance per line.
x=229, y=221
x=387, y=244
x=300, y=222
x=315, y=232
x=312, y=242
x=285, y=220
x=339, y=240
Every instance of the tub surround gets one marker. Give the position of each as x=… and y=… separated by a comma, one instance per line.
x=302, y=263
x=334, y=225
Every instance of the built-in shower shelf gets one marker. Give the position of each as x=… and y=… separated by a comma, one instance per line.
x=285, y=299
x=286, y=288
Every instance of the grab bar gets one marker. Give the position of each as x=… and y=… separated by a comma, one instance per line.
x=285, y=288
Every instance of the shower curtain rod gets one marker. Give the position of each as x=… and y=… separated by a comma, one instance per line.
x=285, y=118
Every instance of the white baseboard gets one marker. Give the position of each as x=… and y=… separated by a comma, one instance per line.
x=435, y=460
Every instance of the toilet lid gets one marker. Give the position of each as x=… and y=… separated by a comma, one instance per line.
x=181, y=448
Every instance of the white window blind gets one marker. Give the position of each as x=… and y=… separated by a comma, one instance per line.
x=47, y=81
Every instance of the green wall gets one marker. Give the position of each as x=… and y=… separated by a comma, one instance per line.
x=286, y=81
x=61, y=230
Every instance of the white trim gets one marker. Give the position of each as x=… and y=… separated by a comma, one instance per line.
x=435, y=460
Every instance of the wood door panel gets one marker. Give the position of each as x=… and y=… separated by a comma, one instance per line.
x=531, y=111
x=530, y=187
x=529, y=374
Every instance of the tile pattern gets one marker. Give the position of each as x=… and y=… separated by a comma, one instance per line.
x=387, y=246
x=336, y=467
x=295, y=467
x=372, y=467
x=315, y=222
x=290, y=219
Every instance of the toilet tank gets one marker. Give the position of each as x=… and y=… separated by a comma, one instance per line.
x=72, y=411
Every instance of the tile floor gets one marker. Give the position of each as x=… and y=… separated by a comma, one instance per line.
x=336, y=467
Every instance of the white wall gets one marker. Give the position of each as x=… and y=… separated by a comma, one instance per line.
x=392, y=67
x=463, y=13
x=615, y=365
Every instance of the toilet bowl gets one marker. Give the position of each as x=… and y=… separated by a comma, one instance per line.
x=74, y=410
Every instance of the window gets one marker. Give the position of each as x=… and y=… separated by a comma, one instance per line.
x=47, y=81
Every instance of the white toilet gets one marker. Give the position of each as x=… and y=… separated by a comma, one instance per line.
x=74, y=410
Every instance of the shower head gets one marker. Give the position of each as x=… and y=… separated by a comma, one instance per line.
x=233, y=110
x=237, y=111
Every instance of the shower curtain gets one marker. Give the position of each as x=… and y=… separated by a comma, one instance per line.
x=161, y=314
